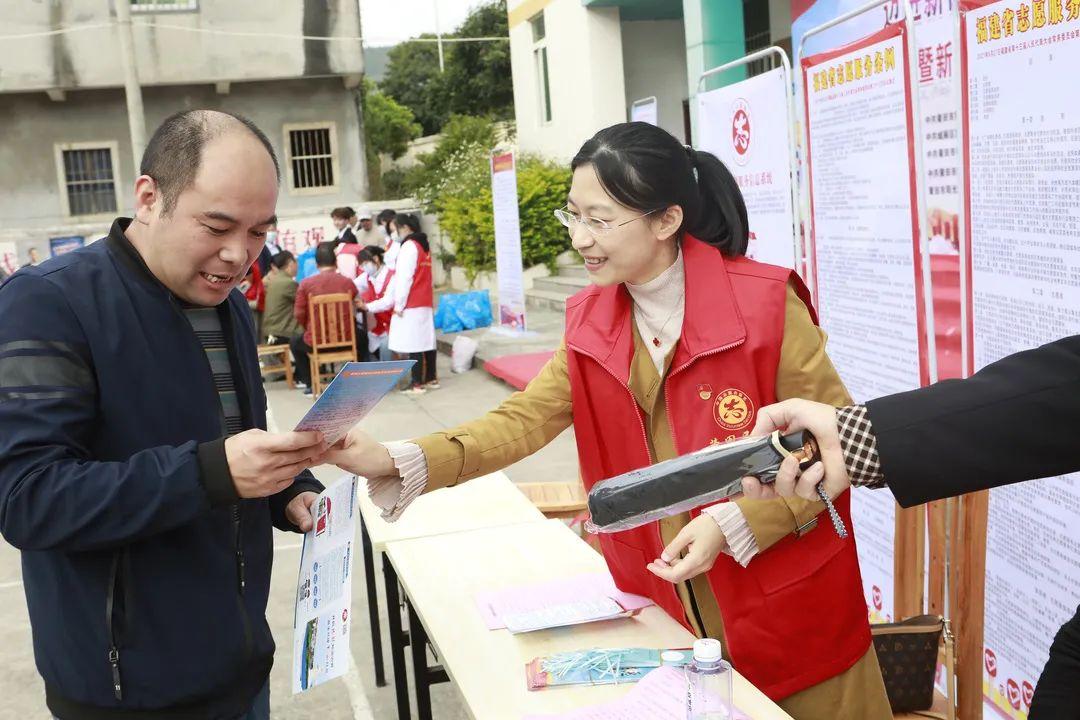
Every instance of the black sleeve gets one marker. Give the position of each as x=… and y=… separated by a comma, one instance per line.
x=1014, y=420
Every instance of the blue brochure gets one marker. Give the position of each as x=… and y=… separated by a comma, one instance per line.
x=351, y=395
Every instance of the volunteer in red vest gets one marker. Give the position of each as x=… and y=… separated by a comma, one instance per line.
x=412, y=326
x=677, y=343
x=372, y=285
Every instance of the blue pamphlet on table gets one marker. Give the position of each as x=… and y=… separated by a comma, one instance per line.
x=351, y=395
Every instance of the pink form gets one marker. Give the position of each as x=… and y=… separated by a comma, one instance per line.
x=526, y=598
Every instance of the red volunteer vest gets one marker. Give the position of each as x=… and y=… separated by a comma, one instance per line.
x=795, y=616
x=382, y=320
x=422, y=293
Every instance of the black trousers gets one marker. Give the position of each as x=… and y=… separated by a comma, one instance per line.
x=301, y=350
x=423, y=371
x=1057, y=694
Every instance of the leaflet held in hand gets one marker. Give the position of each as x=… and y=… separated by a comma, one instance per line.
x=321, y=623
x=351, y=395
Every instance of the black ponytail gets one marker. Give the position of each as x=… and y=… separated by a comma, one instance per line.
x=721, y=219
x=410, y=221
x=645, y=168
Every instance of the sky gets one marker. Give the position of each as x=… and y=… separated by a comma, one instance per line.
x=388, y=22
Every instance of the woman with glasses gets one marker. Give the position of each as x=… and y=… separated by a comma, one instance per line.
x=675, y=345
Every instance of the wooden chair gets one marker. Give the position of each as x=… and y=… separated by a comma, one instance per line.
x=333, y=335
x=281, y=352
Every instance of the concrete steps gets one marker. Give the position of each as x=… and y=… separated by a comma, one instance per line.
x=550, y=293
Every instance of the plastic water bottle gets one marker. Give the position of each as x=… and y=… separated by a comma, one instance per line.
x=708, y=678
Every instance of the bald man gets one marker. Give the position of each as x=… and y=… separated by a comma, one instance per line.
x=136, y=475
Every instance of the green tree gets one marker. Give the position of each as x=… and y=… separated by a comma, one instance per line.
x=477, y=79
x=413, y=80
x=463, y=203
x=388, y=128
x=460, y=134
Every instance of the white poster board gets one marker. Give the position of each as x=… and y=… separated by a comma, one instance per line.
x=745, y=124
x=866, y=265
x=1023, y=144
x=645, y=110
x=508, y=267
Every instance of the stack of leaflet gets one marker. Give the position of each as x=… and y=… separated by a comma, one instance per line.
x=557, y=603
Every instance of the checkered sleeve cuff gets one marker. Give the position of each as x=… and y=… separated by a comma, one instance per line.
x=859, y=445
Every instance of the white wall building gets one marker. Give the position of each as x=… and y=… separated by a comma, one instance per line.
x=579, y=65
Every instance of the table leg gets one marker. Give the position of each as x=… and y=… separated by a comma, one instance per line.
x=418, y=641
x=398, y=640
x=373, y=605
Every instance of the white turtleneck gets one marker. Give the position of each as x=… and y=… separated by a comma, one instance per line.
x=658, y=310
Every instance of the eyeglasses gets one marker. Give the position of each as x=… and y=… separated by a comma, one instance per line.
x=595, y=226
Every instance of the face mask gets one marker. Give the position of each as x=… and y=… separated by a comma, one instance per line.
x=395, y=237
x=369, y=268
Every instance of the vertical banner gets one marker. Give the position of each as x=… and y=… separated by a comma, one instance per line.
x=867, y=267
x=746, y=125
x=645, y=110
x=508, y=268
x=9, y=258
x=939, y=107
x=64, y=245
x=1022, y=144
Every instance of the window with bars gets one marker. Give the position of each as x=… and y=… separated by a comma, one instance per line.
x=312, y=158
x=150, y=6
x=756, y=33
x=87, y=178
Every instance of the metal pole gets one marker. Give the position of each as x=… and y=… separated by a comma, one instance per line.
x=966, y=365
x=132, y=91
x=438, y=36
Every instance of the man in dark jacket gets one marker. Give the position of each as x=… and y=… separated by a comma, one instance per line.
x=136, y=476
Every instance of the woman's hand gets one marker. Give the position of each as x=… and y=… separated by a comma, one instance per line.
x=361, y=305
x=360, y=454
x=703, y=541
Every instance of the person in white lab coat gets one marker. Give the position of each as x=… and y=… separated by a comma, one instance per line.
x=412, y=327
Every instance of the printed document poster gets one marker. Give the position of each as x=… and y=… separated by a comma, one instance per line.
x=324, y=589
x=746, y=125
x=865, y=261
x=1023, y=219
x=504, y=198
x=645, y=110
x=351, y=395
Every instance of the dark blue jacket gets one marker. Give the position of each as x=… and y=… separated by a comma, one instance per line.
x=146, y=576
